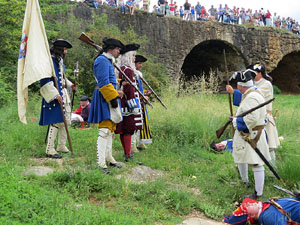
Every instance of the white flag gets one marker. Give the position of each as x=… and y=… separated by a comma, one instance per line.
x=34, y=61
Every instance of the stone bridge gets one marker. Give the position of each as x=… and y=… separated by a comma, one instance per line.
x=196, y=47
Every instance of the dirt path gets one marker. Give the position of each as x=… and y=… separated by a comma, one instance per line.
x=200, y=221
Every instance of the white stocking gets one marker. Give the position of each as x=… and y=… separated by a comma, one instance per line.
x=259, y=177
x=243, y=169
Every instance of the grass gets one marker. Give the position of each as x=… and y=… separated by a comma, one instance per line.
x=194, y=177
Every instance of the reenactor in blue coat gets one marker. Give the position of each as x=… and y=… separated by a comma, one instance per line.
x=105, y=108
x=50, y=112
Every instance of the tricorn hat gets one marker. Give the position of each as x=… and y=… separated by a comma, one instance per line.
x=130, y=47
x=259, y=68
x=112, y=42
x=140, y=58
x=62, y=43
x=244, y=78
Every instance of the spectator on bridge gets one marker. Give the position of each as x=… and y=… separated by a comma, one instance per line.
x=283, y=23
x=130, y=4
x=122, y=6
x=187, y=8
x=295, y=28
x=167, y=8
x=243, y=15
x=181, y=13
x=172, y=8
x=235, y=17
x=263, y=16
x=193, y=13
x=248, y=16
x=198, y=10
x=146, y=4
x=91, y=3
x=268, y=19
x=203, y=15
x=256, y=17
x=221, y=13
x=112, y=3
x=162, y=8
x=227, y=18
x=156, y=9
x=213, y=13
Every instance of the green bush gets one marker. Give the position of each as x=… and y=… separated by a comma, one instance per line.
x=276, y=90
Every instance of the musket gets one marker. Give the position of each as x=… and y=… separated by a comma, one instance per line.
x=221, y=130
x=83, y=37
x=146, y=83
x=295, y=193
x=76, y=72
x=229, y=95
x=64, y=119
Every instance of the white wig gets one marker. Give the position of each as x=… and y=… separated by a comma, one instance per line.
x=127, y=60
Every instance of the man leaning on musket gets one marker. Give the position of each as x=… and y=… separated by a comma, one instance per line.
x=51, y=112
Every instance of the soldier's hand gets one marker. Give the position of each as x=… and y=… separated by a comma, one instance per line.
x=124, y=83
x=121, y=93
x=59, y=99
x=147, y=92
x=74, y=87
x=229, y=89
x=114, y=103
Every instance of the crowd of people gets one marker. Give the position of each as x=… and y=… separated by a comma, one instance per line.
x=234, y=15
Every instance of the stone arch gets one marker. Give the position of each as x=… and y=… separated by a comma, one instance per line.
x=208, y=56
x=287, y=73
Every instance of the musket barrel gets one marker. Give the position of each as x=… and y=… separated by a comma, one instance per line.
x=221, y=130
x=158, y=98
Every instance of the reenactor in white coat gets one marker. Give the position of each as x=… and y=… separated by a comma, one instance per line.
x=263, y=83
x=250, y=127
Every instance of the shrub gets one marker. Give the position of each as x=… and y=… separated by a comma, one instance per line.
x=276, y=90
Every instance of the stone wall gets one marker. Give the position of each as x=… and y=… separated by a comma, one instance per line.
x=172, y=39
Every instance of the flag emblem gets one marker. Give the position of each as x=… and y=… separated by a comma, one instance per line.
x=23, y=45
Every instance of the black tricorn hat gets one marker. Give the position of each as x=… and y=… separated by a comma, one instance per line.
x=130, y=47
x=243, y=76
x=62, y=43
x=140, y=58
x=112, y=42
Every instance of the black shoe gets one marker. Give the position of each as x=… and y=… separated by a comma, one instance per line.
x=253, y=196
x=131, y=155
x=105, y=170
x=55, y=156
x=117, y=165
x=126, y=158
